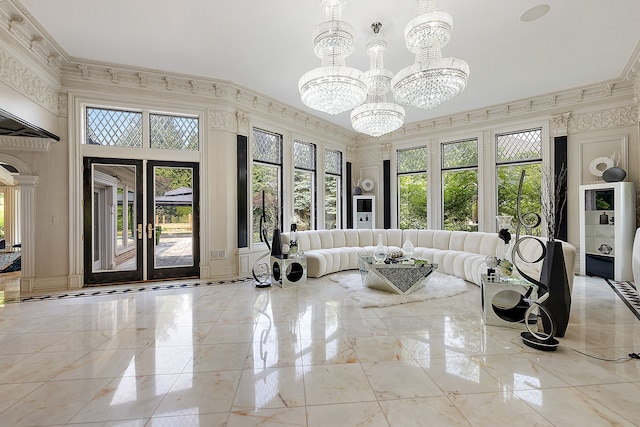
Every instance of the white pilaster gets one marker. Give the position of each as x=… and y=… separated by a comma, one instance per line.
x=27, y=185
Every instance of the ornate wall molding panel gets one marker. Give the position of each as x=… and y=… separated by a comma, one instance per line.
x=16, y=74
x=613, y=118
x=25, y=144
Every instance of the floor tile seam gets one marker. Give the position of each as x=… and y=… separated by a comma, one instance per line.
x=69, y=422
x=593, y=401
x=513, y=394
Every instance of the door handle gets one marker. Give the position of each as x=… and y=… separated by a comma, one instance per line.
x=149, y=231
x=139, y=231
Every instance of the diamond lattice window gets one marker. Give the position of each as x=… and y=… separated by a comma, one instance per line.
x=412, y=160
x=304, y=155
x=113, y=128
x=332, y=162
x=266, y=147
x=460, y=154
x=174, y=132
x=519, y=146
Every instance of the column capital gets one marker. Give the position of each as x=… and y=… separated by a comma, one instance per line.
x=26, y=180
x=560, y=124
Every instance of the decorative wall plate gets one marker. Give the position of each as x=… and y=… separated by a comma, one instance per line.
x=367, y=184
x=599, y=165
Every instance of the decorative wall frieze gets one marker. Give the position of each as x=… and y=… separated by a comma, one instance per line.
x=24, y=144
x=21, y=78
x=223, y=120
x=613, y=118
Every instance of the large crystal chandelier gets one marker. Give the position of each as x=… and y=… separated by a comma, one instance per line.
x=432, y=79
x=333, y=88
x=377, y=117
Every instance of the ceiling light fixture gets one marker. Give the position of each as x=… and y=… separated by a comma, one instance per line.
x=377, y=117
x=432, y=79
x=333, y=88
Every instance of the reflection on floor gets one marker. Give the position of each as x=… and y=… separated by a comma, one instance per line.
x=9, y=287
x=232, y=355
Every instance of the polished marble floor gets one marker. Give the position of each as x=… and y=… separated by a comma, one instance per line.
x=232, y=355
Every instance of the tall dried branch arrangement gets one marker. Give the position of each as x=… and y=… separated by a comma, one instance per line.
x=554, y=198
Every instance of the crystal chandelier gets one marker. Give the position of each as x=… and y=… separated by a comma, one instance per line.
x=377, y=117
x=432, y=79
x=333, y=88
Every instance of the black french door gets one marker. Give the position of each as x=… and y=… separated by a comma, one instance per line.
x=140, y=226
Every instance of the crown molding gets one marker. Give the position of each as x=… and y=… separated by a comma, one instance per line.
x=24, y=144
x=551, y=104
x=79, y=73
x=21, y=30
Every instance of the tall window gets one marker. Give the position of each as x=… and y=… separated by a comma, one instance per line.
x=460, y=185
x=304, y=184
x=516, y=152
x=332, y=186
x=266, y=181
x=412, y=188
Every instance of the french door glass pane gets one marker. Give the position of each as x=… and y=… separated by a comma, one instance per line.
x=173, y=217
x=113, y=247
x=412, y=200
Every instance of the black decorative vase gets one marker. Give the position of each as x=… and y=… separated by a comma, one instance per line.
x=276, y=244
x=554, y=277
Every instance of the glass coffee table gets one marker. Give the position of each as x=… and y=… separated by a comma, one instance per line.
x=401, y=277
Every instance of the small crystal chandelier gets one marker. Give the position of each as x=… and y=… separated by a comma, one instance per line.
x=377, y=117
x=333, y=88
x=432, y=79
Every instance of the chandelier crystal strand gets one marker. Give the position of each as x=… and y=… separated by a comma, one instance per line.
x=377, y=116
x=432, y=79
x=333, y=88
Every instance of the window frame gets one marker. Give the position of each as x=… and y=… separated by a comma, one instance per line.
x=517, y=163
x=444, y=169
x=280, y=173
x=313, y=209
x=339, y=188
x=400, y=174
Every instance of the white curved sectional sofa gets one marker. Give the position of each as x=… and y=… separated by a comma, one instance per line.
x=457, y=253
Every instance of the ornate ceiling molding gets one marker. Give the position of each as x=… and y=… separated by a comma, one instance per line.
x=24, y=144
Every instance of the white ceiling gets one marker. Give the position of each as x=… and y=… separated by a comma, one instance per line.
x=266, y=45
